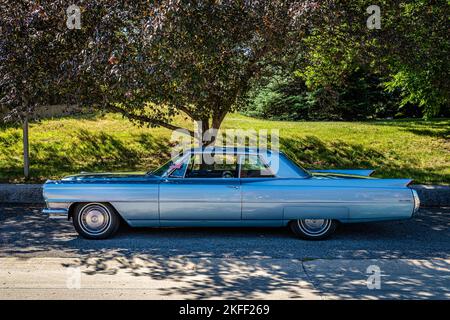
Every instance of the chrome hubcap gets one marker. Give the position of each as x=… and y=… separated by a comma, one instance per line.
x=94, y=219
x=314, y=227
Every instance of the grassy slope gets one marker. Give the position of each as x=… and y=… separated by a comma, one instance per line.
x=415, y=149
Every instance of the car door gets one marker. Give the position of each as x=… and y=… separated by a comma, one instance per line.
x=260, y=190
x=199, y=190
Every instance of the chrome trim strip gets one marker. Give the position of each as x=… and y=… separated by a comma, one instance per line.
x=287, y=203
x=56, y=213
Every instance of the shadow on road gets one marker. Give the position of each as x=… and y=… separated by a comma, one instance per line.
x=249, y=262
x=25, y=231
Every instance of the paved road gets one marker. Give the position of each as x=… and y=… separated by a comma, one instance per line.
x=36, y=255
x=25, y=231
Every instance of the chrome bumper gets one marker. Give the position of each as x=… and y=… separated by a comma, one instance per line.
x=56, y=213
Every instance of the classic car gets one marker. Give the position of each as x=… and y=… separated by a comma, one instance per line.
x=219, y=186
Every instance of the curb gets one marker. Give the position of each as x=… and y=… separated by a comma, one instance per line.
x=21, y=193
x=430, y=196
x=433, y=196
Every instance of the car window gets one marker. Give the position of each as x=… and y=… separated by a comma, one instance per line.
x=170, y=167
x=253, y=167
x=178, y=169
x=212, y=166
x=174, y=168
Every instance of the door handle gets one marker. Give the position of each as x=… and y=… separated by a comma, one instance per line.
x=169, y=181
x=233, y=187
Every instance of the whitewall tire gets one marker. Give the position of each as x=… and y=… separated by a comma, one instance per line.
x=313, y=229
x=95, y=220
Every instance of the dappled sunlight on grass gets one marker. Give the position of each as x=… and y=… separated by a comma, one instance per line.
x=414, y=149
x=396, y=148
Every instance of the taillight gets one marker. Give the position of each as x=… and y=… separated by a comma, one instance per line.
x=416, y=200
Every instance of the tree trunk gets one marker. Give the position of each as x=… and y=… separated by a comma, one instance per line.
x=205, y=133
x=216, y=122
x=26, y=151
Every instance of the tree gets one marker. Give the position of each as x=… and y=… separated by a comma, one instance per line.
x=419, y=61
x=409, y=52
x=148, y=61
x=30, y=53
x=151, y=62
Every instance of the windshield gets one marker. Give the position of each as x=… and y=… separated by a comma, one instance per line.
x=172, y=163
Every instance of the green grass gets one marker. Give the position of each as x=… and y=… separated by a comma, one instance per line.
x=401, y=148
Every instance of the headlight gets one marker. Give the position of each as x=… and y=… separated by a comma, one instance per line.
x=416, y=201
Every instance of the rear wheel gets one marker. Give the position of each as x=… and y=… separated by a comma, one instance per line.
x=313, y=229
x=95, y=220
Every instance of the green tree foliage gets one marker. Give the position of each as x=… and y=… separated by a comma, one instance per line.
x=419, y=63
x=152, y=61
x=361, y=97
x=281, y=98
x=409, y=52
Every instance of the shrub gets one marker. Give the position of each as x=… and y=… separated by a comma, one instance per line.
x=361, y=97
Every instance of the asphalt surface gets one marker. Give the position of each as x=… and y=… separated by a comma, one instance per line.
x=25, y=232
x=39, y=259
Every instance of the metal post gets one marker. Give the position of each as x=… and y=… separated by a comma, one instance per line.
x=26, y=151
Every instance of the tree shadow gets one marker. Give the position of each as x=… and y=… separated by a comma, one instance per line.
x=204, y=278
x=87, y=151
x=157, y=150
x=313, y=153
x=235, y=263
x=438, y=128
x=399, y=279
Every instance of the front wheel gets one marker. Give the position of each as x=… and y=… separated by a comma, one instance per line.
x=95, y=220
x=313, y=229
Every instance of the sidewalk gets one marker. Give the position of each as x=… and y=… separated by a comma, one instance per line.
x=219, y=278
x=399, y=278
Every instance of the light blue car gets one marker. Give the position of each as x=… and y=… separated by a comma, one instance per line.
x=235, y=187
